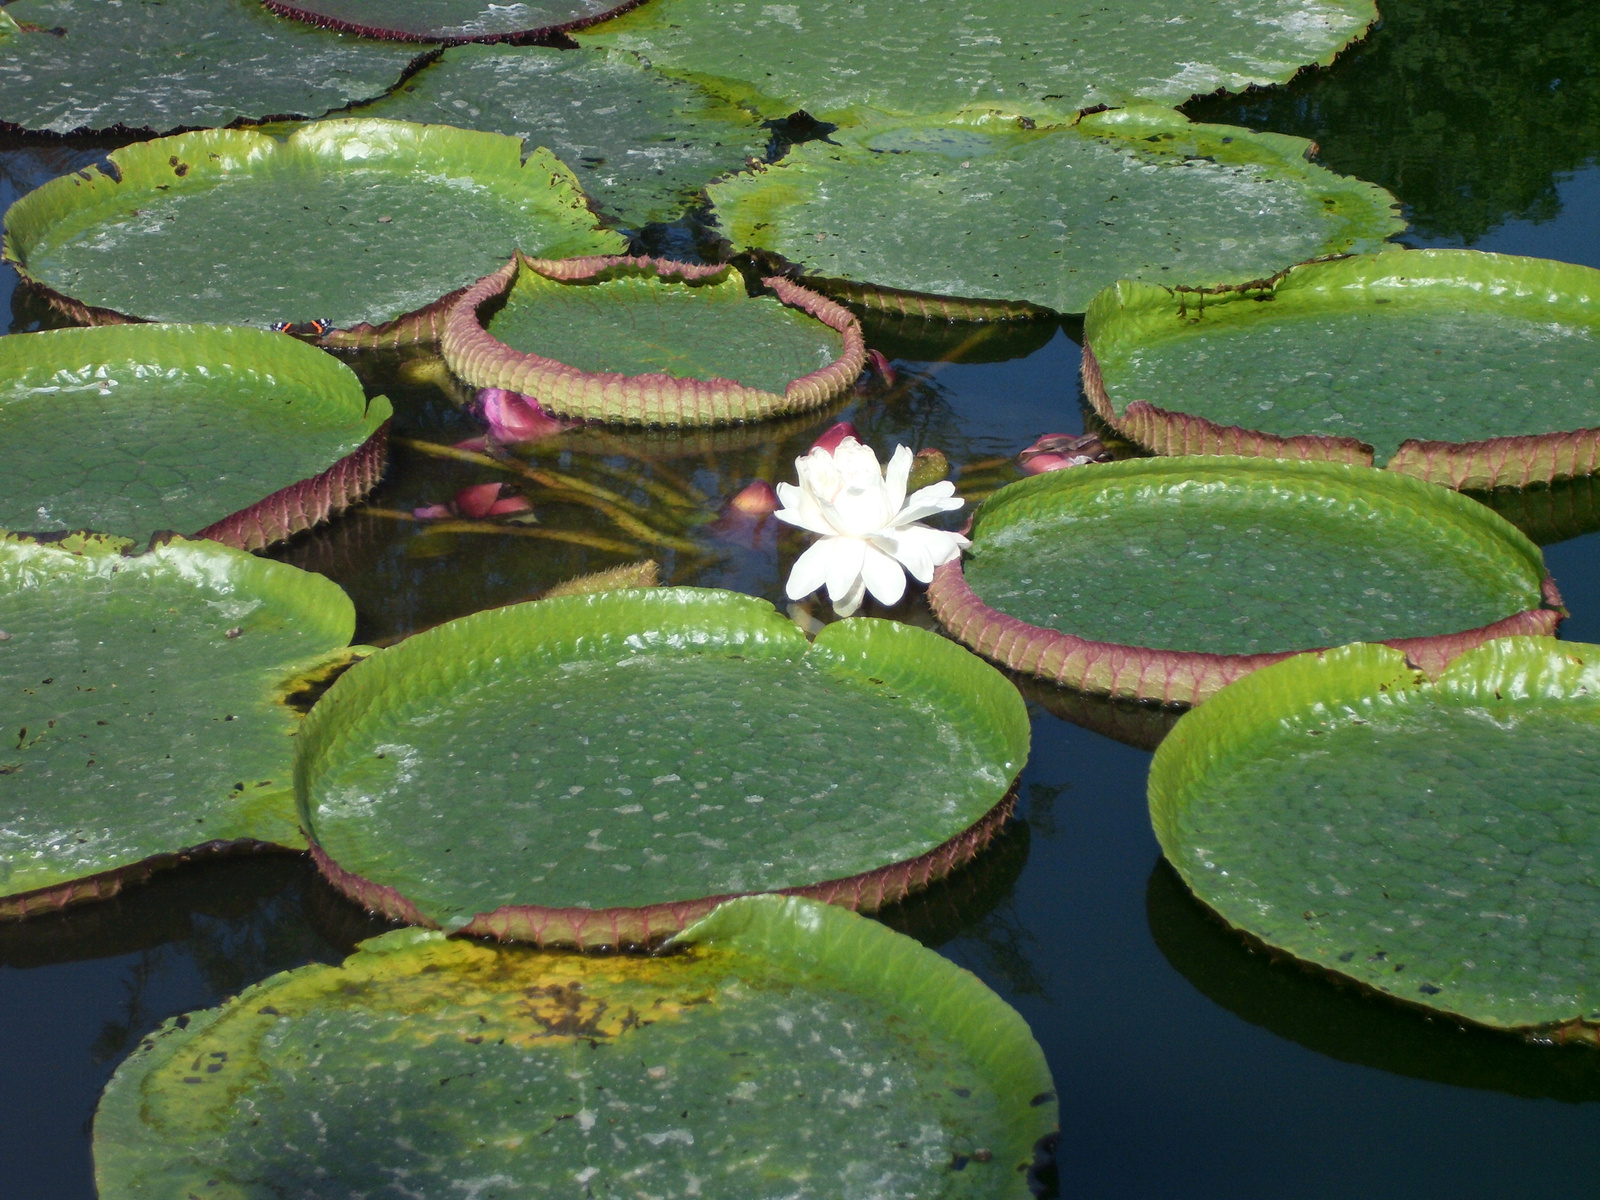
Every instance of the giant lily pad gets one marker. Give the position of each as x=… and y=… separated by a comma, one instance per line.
x=243, y=435
x=451, y=20
x=1467, y=369
x=984, y=218
x=929, y=56
x=356, y=222
x=788, y=1048
x=143, y=707
x=1166, y=578
x=652, y=342
x=600, y=770
x=642, y=144
x=76, y=66
x=1432, y=840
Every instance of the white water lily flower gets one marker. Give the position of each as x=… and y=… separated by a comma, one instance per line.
x=869, y=532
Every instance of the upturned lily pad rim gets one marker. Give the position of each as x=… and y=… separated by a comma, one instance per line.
x=213, y=154
x=1512, y=668
x=1186, y=677
x=291, y=509
x=534, y=35
x=684, y=619
x=652, y=399
x=323, y=603
x=1139, y=126
x=1123, y=314
x=802, y=940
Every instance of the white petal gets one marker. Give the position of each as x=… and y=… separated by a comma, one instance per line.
x=895, y=476
x=844, y=565
x=921, y=549
x=851, y=600
x=810, y=570
x=800, y=508
x=883, y=576
x=924, y=502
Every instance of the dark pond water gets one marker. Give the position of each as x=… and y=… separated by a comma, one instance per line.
x=1187, y=1066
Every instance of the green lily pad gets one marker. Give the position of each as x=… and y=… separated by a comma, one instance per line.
x=450, y=20
x=1434, y=841
x=144, y=707
x=1467, y=369
x=600, y=770
x=998, y=219
x=643, y=144
x=243, y=435
x=650, y=341
x=79, y=66
x=1165, y=578
x=929, y=56
x=788, y=1048
x=356, y=222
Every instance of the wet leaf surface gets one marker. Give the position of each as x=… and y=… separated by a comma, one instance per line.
x=143, y=698
x=846, y=1057
x=830, y=56
x=195, y=64
x=641, y=143
x=132, y=429
x=1432, y=841
x=349, y=221
x=637, y=748
x=989, y=212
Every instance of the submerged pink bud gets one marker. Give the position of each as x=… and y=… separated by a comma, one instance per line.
x=879, y=366
x=757, y=500
x=835, y=434
x=513, y=417
x=433, y=512
x=1057, y=451
x=483, y=500
x=510, y=504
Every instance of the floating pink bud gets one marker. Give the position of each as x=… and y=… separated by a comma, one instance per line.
x=879, y=366
x=477, y=501
x=1057, y=451
x=835, y=434
x=757, y=500
x=513, y=417
x=433, y=512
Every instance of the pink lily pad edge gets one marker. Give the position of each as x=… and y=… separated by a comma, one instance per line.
x=651, y=399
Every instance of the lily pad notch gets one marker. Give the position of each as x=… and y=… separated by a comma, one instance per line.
x=656, y=397
x=1430, y=840
x=644, y=819
x=1366, y=343
x=1375, y=513
x=78, y=407
x=474, y=20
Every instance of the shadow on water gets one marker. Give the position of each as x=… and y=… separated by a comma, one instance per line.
x=1470, y=112
x=1347, y=1024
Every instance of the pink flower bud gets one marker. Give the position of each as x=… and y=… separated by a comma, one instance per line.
x=835, y=434
x=757, y=499
x=879, y=366
x=513, y=417
x=1057, y=451
x=510, y=504
x=433, y=512
x=477, y=501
